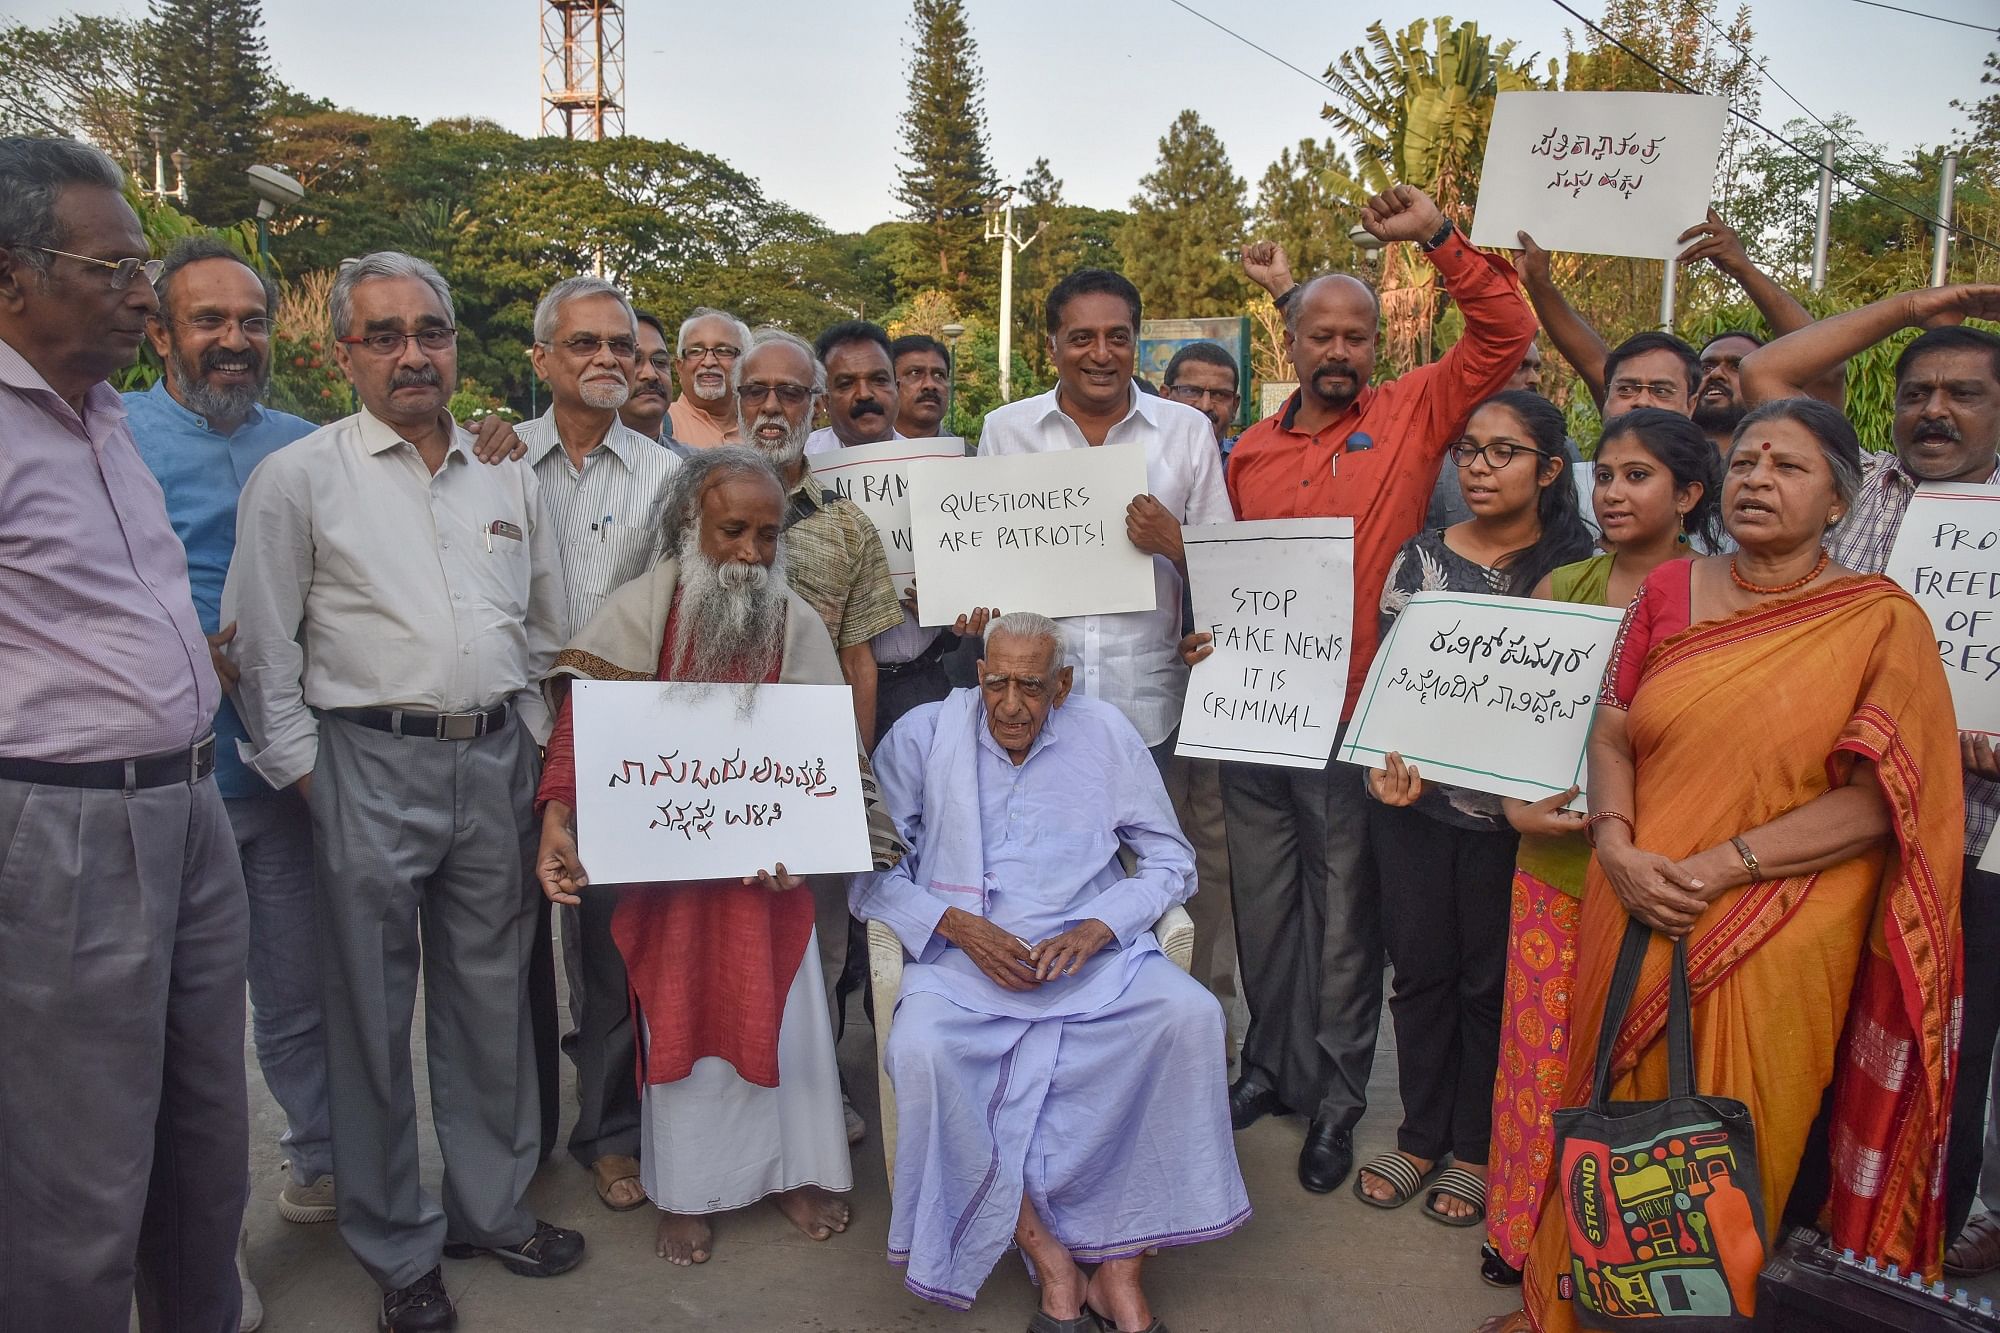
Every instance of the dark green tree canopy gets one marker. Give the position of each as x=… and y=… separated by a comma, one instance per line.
x=203, y=86
x=1181, y=243
x=946, y=178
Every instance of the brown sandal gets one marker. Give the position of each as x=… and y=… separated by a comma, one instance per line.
x=612, y=1170
x=1977, y=1249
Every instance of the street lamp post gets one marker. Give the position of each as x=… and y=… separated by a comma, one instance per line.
x=274, y=189
x=952, y=333
x=1000, y=227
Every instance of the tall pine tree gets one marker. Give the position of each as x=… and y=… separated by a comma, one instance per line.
x=204, y=86
x=948, y=175
x=1181, y=243
x=1299, y=206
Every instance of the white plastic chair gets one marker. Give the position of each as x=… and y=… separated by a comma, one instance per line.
x=1174, y=930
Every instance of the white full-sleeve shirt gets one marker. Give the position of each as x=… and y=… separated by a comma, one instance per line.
x=1131, y=659
x=604, y=515
x=363, y=580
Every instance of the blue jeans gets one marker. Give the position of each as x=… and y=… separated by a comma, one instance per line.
x=274, y=838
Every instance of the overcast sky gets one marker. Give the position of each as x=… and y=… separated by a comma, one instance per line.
x=805, y=95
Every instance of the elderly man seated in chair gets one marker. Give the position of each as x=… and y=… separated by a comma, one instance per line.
x=1059, y=1082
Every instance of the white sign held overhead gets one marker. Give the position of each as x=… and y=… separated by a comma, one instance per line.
x=1278, y=595
x=876, y=477
x=1491, y=693
x=1598, y=173
x=677, y=782
x=1029, y=532
x=1947, y=556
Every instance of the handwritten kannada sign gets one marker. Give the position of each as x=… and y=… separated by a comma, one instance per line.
x=1598, y=173
x=876, y=477
x=1491, y=693
x=1278, y=595
x=1947, y=556
x=679, y=782
x=1029, y=532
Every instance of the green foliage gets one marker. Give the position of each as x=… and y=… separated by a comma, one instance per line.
x=1067, y=237
x=304, y=379
x=74, y=78
x=203, y=85
x=947, y=177
x=1181, y=242
x=1299, y=207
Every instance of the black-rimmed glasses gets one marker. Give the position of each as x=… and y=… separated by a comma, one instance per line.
x=753, y=393
x=385, y=343
x=1497, y=456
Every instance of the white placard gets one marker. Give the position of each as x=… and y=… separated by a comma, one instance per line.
x=1947, y=556
x=1029, y=532
x=1278, y=595
x=876, y=477
x=1491, y=693
x=1598, y=173
x=675, y=782
x=1989, y=860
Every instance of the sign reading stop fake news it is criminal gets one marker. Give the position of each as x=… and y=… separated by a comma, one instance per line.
x=876, y=477
x=1947, y=556
x=1029, y=532
x=1491, y=693
x=1278, y=597
x=1598, y=173
x=678, y=782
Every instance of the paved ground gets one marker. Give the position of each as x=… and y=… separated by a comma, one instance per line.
x=1305, y=1264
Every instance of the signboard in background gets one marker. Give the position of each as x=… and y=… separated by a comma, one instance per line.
x=1029, y=532
x=1598, y=173
x=1278, y=595
x=1947, y=556
x=678, y=782
x=876, y=477
x=1491, y=693
x=1159, y=339
x=1272, y=400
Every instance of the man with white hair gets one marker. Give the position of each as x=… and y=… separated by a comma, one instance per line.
x=601, y=485
x=742, y=1095
x=706, y=351
x=397, y=605
x=1060, y=1084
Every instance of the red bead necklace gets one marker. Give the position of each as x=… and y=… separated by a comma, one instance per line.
x=1825, y=559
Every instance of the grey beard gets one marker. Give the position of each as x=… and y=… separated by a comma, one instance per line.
x=731, y=618
x=214, y=404
x=788, y=450
x=604, y=394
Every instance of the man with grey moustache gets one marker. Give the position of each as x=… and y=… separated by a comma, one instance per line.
x=602, y=484
x=706, y=350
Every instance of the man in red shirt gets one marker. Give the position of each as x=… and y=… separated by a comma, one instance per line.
x=1308, y=928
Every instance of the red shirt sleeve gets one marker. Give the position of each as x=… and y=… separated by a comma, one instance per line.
x=559, y=764
x=1660, y=611
x=1499, y=327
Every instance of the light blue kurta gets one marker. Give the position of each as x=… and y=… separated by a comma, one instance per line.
x=1100, y=1097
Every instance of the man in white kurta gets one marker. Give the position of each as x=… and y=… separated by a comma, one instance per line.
x=1059, y=1082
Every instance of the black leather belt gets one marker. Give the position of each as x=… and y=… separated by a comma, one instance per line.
x=930, y=656
x=430, y=726
x=160, y=770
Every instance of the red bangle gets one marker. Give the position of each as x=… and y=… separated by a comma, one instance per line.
x=1590, y=825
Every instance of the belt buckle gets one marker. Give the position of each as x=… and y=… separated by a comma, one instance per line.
x=460, y=726
x=201, y=759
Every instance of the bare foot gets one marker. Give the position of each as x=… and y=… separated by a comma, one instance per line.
x=1062, y=1282
x=1517, y=1322
x=813, y=1210
x=683, y=1239
x=1381, y=1190
x=1116, y=1296
x=1452, y=1206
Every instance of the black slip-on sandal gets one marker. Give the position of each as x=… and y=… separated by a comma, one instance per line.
x=1468, y=1189
x=1402, y=1175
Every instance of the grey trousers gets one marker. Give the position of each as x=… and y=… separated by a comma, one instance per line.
x=1308, y=933
x=1195, y=788
x=274, y=839
x=124, y=1120
x=422, y=851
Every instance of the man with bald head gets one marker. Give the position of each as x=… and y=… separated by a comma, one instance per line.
x=1307, y=927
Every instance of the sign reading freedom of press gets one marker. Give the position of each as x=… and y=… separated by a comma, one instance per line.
x=876, y=477
x=1491, y=693
x=1947, y=556
x=1029, y=532
x=1278, y=595
x=676, y=782
x=1598, y=173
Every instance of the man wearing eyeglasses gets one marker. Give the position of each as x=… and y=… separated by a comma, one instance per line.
x=707, y=349
x=923, y=385
x=652, y=396
x=602, y=484
x=122, y=918
x=1205, y=377
x=398, y=606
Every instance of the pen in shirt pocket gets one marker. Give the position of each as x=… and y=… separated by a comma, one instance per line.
x=603, y=529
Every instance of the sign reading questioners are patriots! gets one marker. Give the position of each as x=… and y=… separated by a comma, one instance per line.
x=1491, y=693
x=1598, y=173
x=679, y=782
x=876, y=477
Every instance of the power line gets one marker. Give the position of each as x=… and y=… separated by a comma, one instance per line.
x=1870, y=191
x=1762, y=65
x=1266, y=51
x=1935, y=18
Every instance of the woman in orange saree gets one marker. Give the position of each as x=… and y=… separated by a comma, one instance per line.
x=1775, y=775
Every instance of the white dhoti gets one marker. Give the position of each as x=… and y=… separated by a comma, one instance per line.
x=711, y=1142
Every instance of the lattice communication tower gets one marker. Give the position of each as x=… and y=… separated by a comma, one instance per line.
x=583, y=68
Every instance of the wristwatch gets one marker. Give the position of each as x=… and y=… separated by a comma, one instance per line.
x=1439, y=237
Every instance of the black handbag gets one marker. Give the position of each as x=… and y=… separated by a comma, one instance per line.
x=1662, y=1201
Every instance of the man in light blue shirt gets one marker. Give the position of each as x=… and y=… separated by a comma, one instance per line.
x=202, y=431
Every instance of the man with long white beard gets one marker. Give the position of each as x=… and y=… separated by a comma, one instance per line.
x=602, y=484
x=742, y=1098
